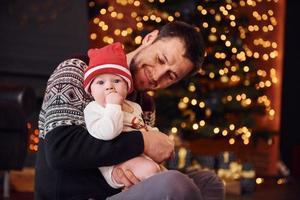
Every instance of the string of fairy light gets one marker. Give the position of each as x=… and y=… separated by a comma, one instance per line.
x=261, y=49
x=111, y=13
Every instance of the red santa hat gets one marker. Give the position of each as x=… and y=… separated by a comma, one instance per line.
x=109, y=59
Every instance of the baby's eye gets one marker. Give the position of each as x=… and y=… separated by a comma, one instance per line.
x=117, y=81
x=100, y=82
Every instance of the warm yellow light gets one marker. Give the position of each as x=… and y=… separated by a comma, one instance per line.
x=139, y=25
x=211, y=75
x=177, y=14
x=201, y=104
x=268, y=83
x=265, y=56
x=93, y=36
x=117, y=32
x=204, y=12
x=182, y=105
x=185, y=99
x=103, y=11
x=224, y=79
x=194, y=102
x=202, y=123
x=218, y=17
x=246, y=68
x=224, y=132
x=110, y=41
x=199, y=7
x=133, y=14
x=228, y=43
x=129, y=30
x=256, y=55
x=105, y=27
x=136, y=3
x=113, y=14
x=246, y=142
x=120, y=15
x=192, y=87
x=152, y=17
x=101, y=23
x=205, y=25
x=158, y=19
x=170, y=18
x=110, y=8
x=231, y=141
x=264, y=17
x=223, y=37
x=281, y=181
x=174, y=130
x=138, y=39
x=229, y=98
x=96, y=20
x=272, y=112
x=216, y=130
x=124, y=33
x=259, y=180
x=195, y=126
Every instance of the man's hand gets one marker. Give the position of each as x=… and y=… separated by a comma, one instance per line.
x=125, y=177
x=157, y=145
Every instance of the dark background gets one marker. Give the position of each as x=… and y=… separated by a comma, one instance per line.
x=290, y=112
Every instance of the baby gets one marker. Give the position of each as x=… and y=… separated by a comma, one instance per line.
x=108, y=80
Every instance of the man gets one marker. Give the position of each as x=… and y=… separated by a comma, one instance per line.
x=68, y=157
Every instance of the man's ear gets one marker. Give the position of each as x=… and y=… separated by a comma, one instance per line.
x=150, y=37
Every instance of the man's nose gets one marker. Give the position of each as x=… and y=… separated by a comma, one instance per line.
x=160, y=72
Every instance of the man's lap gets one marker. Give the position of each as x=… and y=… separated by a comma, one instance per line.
x=175, y=185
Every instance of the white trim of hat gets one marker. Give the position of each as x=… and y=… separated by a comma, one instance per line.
x=114, y=66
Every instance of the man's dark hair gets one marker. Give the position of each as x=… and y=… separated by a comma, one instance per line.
x=192, y=39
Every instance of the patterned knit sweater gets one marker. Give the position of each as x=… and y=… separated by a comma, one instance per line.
x=68, y=157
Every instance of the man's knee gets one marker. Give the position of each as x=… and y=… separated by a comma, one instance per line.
x=177, y=185
x=212, y=178
x=210, y=185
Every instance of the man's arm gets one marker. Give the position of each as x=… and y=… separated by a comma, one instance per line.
x=72, y=147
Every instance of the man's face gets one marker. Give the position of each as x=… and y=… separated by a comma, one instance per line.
x=159, y=65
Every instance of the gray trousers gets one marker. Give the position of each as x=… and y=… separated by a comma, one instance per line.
x=174, y=185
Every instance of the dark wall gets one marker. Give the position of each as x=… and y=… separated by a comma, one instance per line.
x=35, y=36
x=290, y=126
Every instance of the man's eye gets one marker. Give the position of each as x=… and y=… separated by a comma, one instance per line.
x=100, y=82
x=160, y=60
x=172, y=76
x=117, y=81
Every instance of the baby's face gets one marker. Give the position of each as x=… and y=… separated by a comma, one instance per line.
x=105, y=84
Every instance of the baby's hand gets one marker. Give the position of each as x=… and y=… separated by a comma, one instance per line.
x=114, y=98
